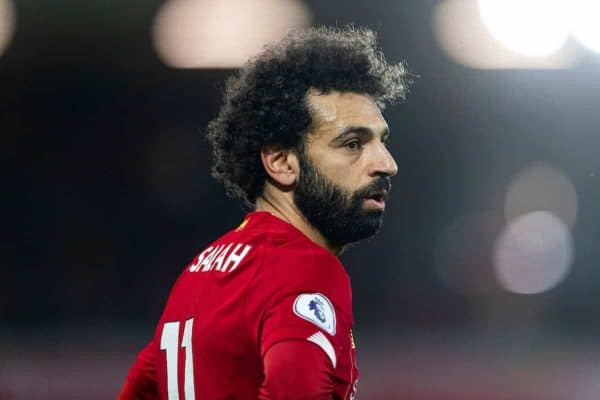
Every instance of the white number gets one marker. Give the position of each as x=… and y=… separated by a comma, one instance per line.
x=168, y=342
x=186, y=342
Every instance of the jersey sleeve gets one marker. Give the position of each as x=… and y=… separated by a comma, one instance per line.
x=141, y=383
x=307, y=316
x=296, y=370
x=306, y=293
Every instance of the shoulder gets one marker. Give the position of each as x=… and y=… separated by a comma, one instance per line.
x=302, y=262
x=309, y=277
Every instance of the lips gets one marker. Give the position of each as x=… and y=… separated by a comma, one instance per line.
x=379, y=195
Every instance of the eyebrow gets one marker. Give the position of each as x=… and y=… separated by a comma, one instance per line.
x=362, y=131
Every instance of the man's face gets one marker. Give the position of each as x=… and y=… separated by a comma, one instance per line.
x=344, y=167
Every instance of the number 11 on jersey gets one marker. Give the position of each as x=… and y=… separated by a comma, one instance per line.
x=169, y=341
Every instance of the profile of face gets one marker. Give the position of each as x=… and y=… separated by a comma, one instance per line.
x=345, y=167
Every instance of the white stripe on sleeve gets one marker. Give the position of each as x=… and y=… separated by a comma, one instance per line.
x=321, y=340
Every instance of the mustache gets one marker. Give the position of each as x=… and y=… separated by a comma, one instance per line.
x=379, y=184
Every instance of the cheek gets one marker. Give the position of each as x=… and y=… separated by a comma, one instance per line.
x=348, y=181
x=345, y=171
x=340, y=175
x=343, y=174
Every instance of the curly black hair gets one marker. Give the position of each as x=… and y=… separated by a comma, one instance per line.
x=265, y=102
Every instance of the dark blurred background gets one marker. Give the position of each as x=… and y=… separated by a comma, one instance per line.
x=482, y=283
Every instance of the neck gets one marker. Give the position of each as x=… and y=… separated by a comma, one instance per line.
x=283, y=207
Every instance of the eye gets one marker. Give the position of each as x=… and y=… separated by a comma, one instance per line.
x=353, y=145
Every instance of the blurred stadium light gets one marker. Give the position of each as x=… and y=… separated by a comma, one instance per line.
x=533, y=254
x=222, y=33
x=7, y=23
x=542, y=187
x=585, y=22
x=529, y=27
x=462, y=34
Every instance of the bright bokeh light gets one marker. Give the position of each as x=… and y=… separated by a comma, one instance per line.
x=222, y=33
x=462, y=35
x=585, y=22
x=542, y=187
x=531, y=27
x=533, y=254
x=7, y=23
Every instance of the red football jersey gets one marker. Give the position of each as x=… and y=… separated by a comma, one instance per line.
x=259, y=284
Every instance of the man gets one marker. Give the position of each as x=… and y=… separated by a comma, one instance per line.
x=265, y=311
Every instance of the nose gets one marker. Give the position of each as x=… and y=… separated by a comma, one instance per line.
x=384, y=163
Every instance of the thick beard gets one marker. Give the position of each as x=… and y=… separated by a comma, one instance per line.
x=338, y=214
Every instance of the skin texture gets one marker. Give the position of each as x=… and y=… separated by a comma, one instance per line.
x=351, y=162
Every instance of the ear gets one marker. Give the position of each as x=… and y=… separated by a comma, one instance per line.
x=280, y=164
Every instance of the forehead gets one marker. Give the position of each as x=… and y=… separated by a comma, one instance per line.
x=334, y=111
